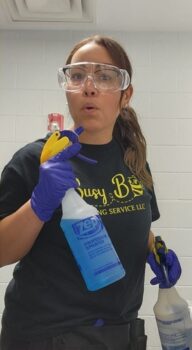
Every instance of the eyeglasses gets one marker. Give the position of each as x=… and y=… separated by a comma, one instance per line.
x=105, y=77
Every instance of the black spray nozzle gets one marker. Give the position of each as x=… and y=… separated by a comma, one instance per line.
x=160, y=248
x=160, y=252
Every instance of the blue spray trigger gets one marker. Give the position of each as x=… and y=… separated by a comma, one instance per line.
x=79, y=130
x=86, y=159
x=73, y=136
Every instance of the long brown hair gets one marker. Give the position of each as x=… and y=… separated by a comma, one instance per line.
x=127, y=130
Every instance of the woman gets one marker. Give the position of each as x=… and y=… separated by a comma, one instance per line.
x=47, y=305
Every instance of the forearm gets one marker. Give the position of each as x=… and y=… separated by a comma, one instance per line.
x=18, y=233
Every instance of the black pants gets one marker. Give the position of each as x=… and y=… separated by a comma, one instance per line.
x=119, y=337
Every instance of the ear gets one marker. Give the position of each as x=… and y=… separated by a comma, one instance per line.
x=126, y=96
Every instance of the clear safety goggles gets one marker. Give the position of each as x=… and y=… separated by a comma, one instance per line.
x=105, y=77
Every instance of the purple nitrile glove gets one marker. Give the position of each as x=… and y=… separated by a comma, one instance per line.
x=172, y=266
x=55, y=178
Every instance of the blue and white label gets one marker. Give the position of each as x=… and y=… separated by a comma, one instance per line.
x=88, y=227
x=173, y=334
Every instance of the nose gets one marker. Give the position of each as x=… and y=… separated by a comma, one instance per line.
x=89, y=87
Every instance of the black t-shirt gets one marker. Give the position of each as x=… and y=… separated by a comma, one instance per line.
x=47, y=293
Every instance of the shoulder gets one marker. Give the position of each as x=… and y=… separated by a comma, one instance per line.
x=25, y=162
x=31, y=151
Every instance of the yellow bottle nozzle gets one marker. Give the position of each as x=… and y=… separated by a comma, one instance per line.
x=53, y=146
x=57, y=142
x=159, y=244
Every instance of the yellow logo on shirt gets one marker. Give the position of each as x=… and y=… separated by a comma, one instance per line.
x=124, y=190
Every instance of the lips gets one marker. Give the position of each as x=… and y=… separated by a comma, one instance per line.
x=89, y=106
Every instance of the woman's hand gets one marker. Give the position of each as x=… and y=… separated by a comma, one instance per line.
x=171, y=265
x=56, y=177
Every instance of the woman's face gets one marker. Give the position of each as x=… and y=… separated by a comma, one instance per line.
x=96, y=111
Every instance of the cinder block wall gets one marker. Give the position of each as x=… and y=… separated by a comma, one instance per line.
x=162, y=64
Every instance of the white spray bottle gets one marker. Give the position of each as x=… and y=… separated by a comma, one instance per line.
x=172, y=314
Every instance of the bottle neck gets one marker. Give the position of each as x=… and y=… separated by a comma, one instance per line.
x=169, y=294
x=170, y=290
x=74, y=207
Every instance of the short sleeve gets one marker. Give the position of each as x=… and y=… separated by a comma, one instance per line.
x=19, y=178
x=13, y=192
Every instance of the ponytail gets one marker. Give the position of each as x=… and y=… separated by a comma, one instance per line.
x=129, y=135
